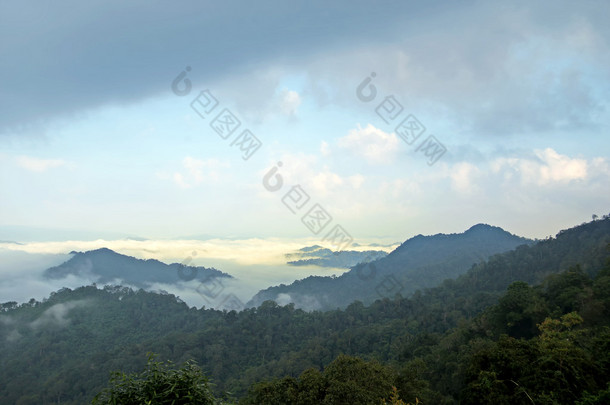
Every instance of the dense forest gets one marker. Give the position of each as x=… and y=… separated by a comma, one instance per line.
x=531, y=325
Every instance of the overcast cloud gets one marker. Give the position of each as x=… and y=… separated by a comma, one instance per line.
x=503, y=67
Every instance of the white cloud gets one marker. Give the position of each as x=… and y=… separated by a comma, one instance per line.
x=57, y=314
x=306, y=302
x=600, y=165
x=39, y=165
x=324, y=149
x=372, y=144
x=283, y=299
x=290, y=102
x=462, y=175
x=560, y=167
x=179, y=180
x=546, y=167
x=325, y=182
x=356, y=181
x=199, y=171
x=306, y=170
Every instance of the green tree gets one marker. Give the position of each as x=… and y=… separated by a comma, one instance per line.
x=355, y=381
x=158, y=384
x=347, y=380
x=600, y=398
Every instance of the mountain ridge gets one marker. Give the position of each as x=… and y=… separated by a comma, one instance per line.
x=109, y=266
x=439, y=256
x=323, y=257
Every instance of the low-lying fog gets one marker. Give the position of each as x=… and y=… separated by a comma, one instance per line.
x=255, y=264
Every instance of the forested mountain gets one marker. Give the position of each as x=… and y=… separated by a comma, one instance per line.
x=108, y=266
x=468, y=340
x=420, y=262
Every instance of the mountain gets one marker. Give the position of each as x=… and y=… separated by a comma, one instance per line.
x=420, y=262
x=10, y=242
x=318, y=256
x=109, y=266
x=61, y=350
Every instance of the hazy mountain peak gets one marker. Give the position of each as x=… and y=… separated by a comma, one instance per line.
x=486, y=228
x=310, y=248
x=419, y=262
x=106, y=265
x=318, y=256
x=473, y=231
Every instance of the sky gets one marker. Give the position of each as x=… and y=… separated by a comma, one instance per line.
x=374, y=121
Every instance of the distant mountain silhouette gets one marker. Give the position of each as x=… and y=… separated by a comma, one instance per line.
x=420, y=262
x=108, y=266
x=318, y=256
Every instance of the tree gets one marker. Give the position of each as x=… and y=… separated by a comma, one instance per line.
x=519, y=310
x=600, y=398
x=549, y=369
x=159, y=384
x=352, y=380
x=347, y=380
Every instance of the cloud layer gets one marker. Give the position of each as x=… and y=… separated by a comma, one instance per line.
x=82, y=56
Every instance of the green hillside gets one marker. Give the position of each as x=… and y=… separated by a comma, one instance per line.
x=529, y=322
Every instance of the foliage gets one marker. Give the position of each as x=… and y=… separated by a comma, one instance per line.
x=347, y=380
x=158, y=384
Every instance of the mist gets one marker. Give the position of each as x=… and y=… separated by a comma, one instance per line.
x=22, y=267
x=21, y=275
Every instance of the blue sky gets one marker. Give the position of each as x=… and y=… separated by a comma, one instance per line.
x=94, y=143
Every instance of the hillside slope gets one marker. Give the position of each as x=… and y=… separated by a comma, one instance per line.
x=420, y=262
